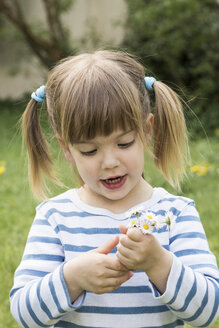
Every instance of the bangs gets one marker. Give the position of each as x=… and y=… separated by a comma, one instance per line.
x=99, y=103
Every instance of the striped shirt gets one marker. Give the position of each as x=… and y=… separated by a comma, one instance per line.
x=65, y=227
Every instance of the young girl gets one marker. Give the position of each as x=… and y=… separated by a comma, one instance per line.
x=82, y=265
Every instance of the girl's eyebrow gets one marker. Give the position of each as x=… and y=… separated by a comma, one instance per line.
x=93, y=142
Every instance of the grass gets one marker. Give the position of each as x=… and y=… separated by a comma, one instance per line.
x=17, y=207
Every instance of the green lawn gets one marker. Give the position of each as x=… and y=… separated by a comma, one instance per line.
x=17, y=205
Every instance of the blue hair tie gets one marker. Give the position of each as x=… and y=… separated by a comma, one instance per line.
x=39, y=94
x=149, y=81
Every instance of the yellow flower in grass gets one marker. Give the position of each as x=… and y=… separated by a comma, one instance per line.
x=2, y=167
x=201, y=169
x=216, y=132
x=194, y=168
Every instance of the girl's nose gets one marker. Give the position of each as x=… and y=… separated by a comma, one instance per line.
x=110, y=160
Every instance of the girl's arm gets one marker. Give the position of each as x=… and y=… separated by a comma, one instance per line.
x=46, y=288
x=194, y=273
x=185, y=278
x=39, y=295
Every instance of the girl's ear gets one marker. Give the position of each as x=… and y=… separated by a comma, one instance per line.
x=149, y=127
x=66, y=152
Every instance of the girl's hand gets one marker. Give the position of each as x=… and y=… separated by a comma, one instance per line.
x=137, y=251
x=95, y=271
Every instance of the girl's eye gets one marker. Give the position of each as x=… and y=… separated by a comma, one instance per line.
x=88, y=153
x=127, y=144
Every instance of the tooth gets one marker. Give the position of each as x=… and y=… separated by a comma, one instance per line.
x=115, y=180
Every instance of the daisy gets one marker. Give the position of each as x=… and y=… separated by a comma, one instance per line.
x=146, y=225
x=170, y=219
x=146, y=221
x=135, y=211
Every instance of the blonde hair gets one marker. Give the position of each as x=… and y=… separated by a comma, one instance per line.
x=95, y=94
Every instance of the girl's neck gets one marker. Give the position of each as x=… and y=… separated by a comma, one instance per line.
x=138, y=195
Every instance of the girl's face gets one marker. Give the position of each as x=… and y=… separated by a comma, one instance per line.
x=111, y=167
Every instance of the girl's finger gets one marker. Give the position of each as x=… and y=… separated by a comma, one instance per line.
x=117, y=281
x=112, y=263
x=135, y=234
x=123, y=229
x=124, y=260
x=115, y=274
x=127, y=242
x=126, y=252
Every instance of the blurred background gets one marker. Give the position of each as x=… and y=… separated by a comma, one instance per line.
x=176, y=40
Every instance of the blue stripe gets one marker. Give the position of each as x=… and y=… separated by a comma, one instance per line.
x=31, y=312
x=73, y=248
x=131, y=290
x=54, y=296
x=189, y=297
x=173, y=199
x=213, y=279
x=188, y=235
x=42, y=303
x=191, y=251
x=61, y=201
x=160, y=212
x=64, y=285
x=161, y=230
x=216, y=304
x=156, y=293
x=13, y=290
x=83, y=248
x=65, y=324
x=30, y=272
x=187, y=218
x=201, y=308
x=41, y=222
x=123, y=310
x=47, y=240
x=87, y=231
x=20, y=316
x=174, y=211
x=204, y=265
x=178, y=285
x=44, y=257
x=69, y=214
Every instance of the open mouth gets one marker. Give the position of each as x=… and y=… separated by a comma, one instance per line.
x=114, y=182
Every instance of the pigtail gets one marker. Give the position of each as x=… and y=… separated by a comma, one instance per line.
x=39, y=158
x=170, y=134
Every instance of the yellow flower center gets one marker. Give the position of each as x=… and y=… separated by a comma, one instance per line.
x=146, y=226
x=133, y=222
x=2, y=169
x=150, y=216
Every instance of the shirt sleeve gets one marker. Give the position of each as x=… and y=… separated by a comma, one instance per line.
x=192, y=290
x=39, y=297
